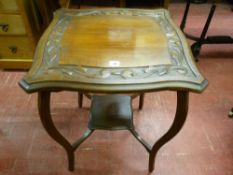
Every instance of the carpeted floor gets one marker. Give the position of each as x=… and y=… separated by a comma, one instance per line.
x=203, y=147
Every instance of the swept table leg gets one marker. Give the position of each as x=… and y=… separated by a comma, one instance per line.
x=141, y=140
x=180, y=117
x=46, y=119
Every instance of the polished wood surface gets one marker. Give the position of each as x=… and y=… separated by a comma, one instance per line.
x=113, y=50
x=114, y=41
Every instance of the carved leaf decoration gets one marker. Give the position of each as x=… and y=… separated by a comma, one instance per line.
x=162, y=71
x=116, y=72
x=127, y=74
x=105, y=73
x=182, y=70
x=80, y=68
x=65, y=71
x=148, y=69
x=176, y=54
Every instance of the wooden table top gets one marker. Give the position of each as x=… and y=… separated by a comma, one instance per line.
x=113, y=51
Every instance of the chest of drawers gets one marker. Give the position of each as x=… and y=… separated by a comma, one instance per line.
x=19, y=33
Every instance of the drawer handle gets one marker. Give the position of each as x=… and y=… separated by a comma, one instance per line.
x=4, y=27
x=13, y=49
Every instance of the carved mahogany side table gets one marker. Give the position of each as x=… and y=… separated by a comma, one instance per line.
x=112, y=51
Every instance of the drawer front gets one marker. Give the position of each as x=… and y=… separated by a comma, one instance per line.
x=8, y=6
x=11, y=25
x=16, y=47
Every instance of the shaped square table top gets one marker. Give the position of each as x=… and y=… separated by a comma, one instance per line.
x=113, y=51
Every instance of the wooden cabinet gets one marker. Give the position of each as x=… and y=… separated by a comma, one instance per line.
x=19, y=33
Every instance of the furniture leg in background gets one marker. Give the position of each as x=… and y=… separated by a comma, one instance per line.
x=199, y=41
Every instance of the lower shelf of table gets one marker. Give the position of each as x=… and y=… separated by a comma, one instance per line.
x=111, y=112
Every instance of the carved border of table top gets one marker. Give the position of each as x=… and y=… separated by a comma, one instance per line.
x=183, y=68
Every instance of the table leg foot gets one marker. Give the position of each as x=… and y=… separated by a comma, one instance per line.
x=231, y=113
x=70, y=155
x=180, y=117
